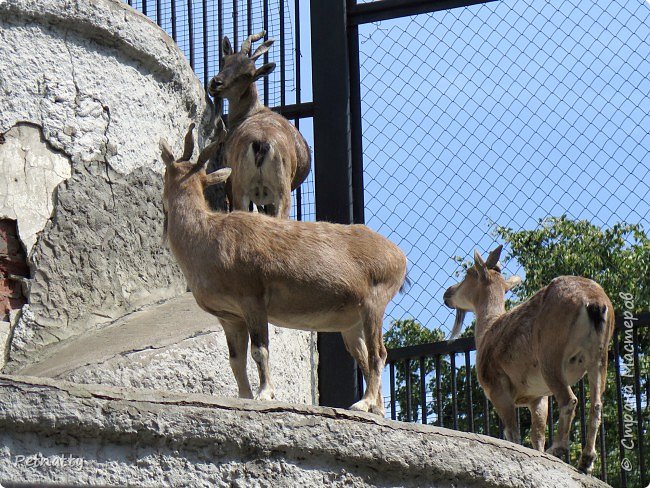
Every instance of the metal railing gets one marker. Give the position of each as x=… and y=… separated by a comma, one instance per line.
x=429, y=385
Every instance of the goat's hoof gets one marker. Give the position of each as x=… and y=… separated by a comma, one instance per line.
x=586, y=464
x=378, y=410
x=559, y=452
x=265, y=395
x=360, y=406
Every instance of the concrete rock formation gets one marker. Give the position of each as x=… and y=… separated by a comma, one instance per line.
x=147, y=438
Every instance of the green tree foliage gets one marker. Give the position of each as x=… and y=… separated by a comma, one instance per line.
x=618, y=258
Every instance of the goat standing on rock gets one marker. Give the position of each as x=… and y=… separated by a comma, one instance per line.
x=248, y=268
x=268, y=156
x=539, y=348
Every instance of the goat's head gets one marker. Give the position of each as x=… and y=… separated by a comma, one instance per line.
x=183, y=173
x=239, y=72
x=479, y=280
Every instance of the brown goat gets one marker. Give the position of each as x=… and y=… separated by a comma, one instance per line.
x=539, y=348
x=248, y=268
x=267, y=154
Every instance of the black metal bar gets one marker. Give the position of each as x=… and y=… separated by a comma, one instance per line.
x=266, y=55
x=190, y=31
x=639, y=409
x=249, y=17
x=220, y=30
x=361, y=384
x=583, y=424
x=296, y=8
x=468, y=387
x=619, y=404
x=296, y=111
x=356, y=130
x=158, y=12
x=206, y=60
x=409, y=390
x=235, y=27
x=364, y=13
x=144, y=7
x=173, y=19
x=486, y=420
x=443, y=347
x=454, y=399
x=440, y=421
x=283, y=75
x=391, y=369
x=332, y=166
x=423, y=390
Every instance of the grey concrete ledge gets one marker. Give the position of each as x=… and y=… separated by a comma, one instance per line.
x=155, y=438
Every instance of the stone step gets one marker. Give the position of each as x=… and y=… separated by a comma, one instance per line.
x=175, y=346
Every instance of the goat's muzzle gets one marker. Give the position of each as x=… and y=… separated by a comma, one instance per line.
x=215, y=86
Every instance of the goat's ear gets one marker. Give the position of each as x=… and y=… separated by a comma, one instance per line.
x=262, y=49
x=493, y=258
x=226, y=47
x=480, y=266
x=218, y=176
x=166, y=152
x=263, y=71
x=513, y=281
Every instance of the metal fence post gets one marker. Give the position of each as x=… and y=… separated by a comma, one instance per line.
x=337, y=374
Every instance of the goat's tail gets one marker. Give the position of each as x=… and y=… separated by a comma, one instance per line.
x=598, y=315
x=260, y=150
x=406, y=284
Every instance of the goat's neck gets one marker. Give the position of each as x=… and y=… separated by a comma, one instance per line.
x=490, y=308
x=188, y=214
x=239, y=109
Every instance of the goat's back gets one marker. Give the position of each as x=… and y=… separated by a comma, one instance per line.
x=556, y=321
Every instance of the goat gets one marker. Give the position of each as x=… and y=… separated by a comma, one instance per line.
x=267, y=154
x=539, y=348
x=248, y=268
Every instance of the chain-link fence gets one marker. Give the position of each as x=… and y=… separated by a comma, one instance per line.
x=197, y=27
x=503, y=114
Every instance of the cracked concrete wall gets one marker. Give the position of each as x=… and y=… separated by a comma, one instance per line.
x=114, y=436
x=95, y=85
x=84, y=76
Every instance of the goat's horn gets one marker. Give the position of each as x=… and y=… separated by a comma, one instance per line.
x=246, y=45
x=189, y=144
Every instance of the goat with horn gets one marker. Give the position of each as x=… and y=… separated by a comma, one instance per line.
x=539, y=348
x=248, y=268
x=268, y=156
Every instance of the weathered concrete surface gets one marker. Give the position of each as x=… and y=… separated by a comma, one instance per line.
x=176, y=346
x=91, y=434
x=87, y=90
x=30, y=174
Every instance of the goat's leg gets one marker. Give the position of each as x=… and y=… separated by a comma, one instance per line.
x=356, y=346
x=240, y=201
x=538, y=413
x=284, y=206
x=597, y=380
x=237, y=340
x=376, y=354
x=258, y=329
x=507, y=411
x=566, y=402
